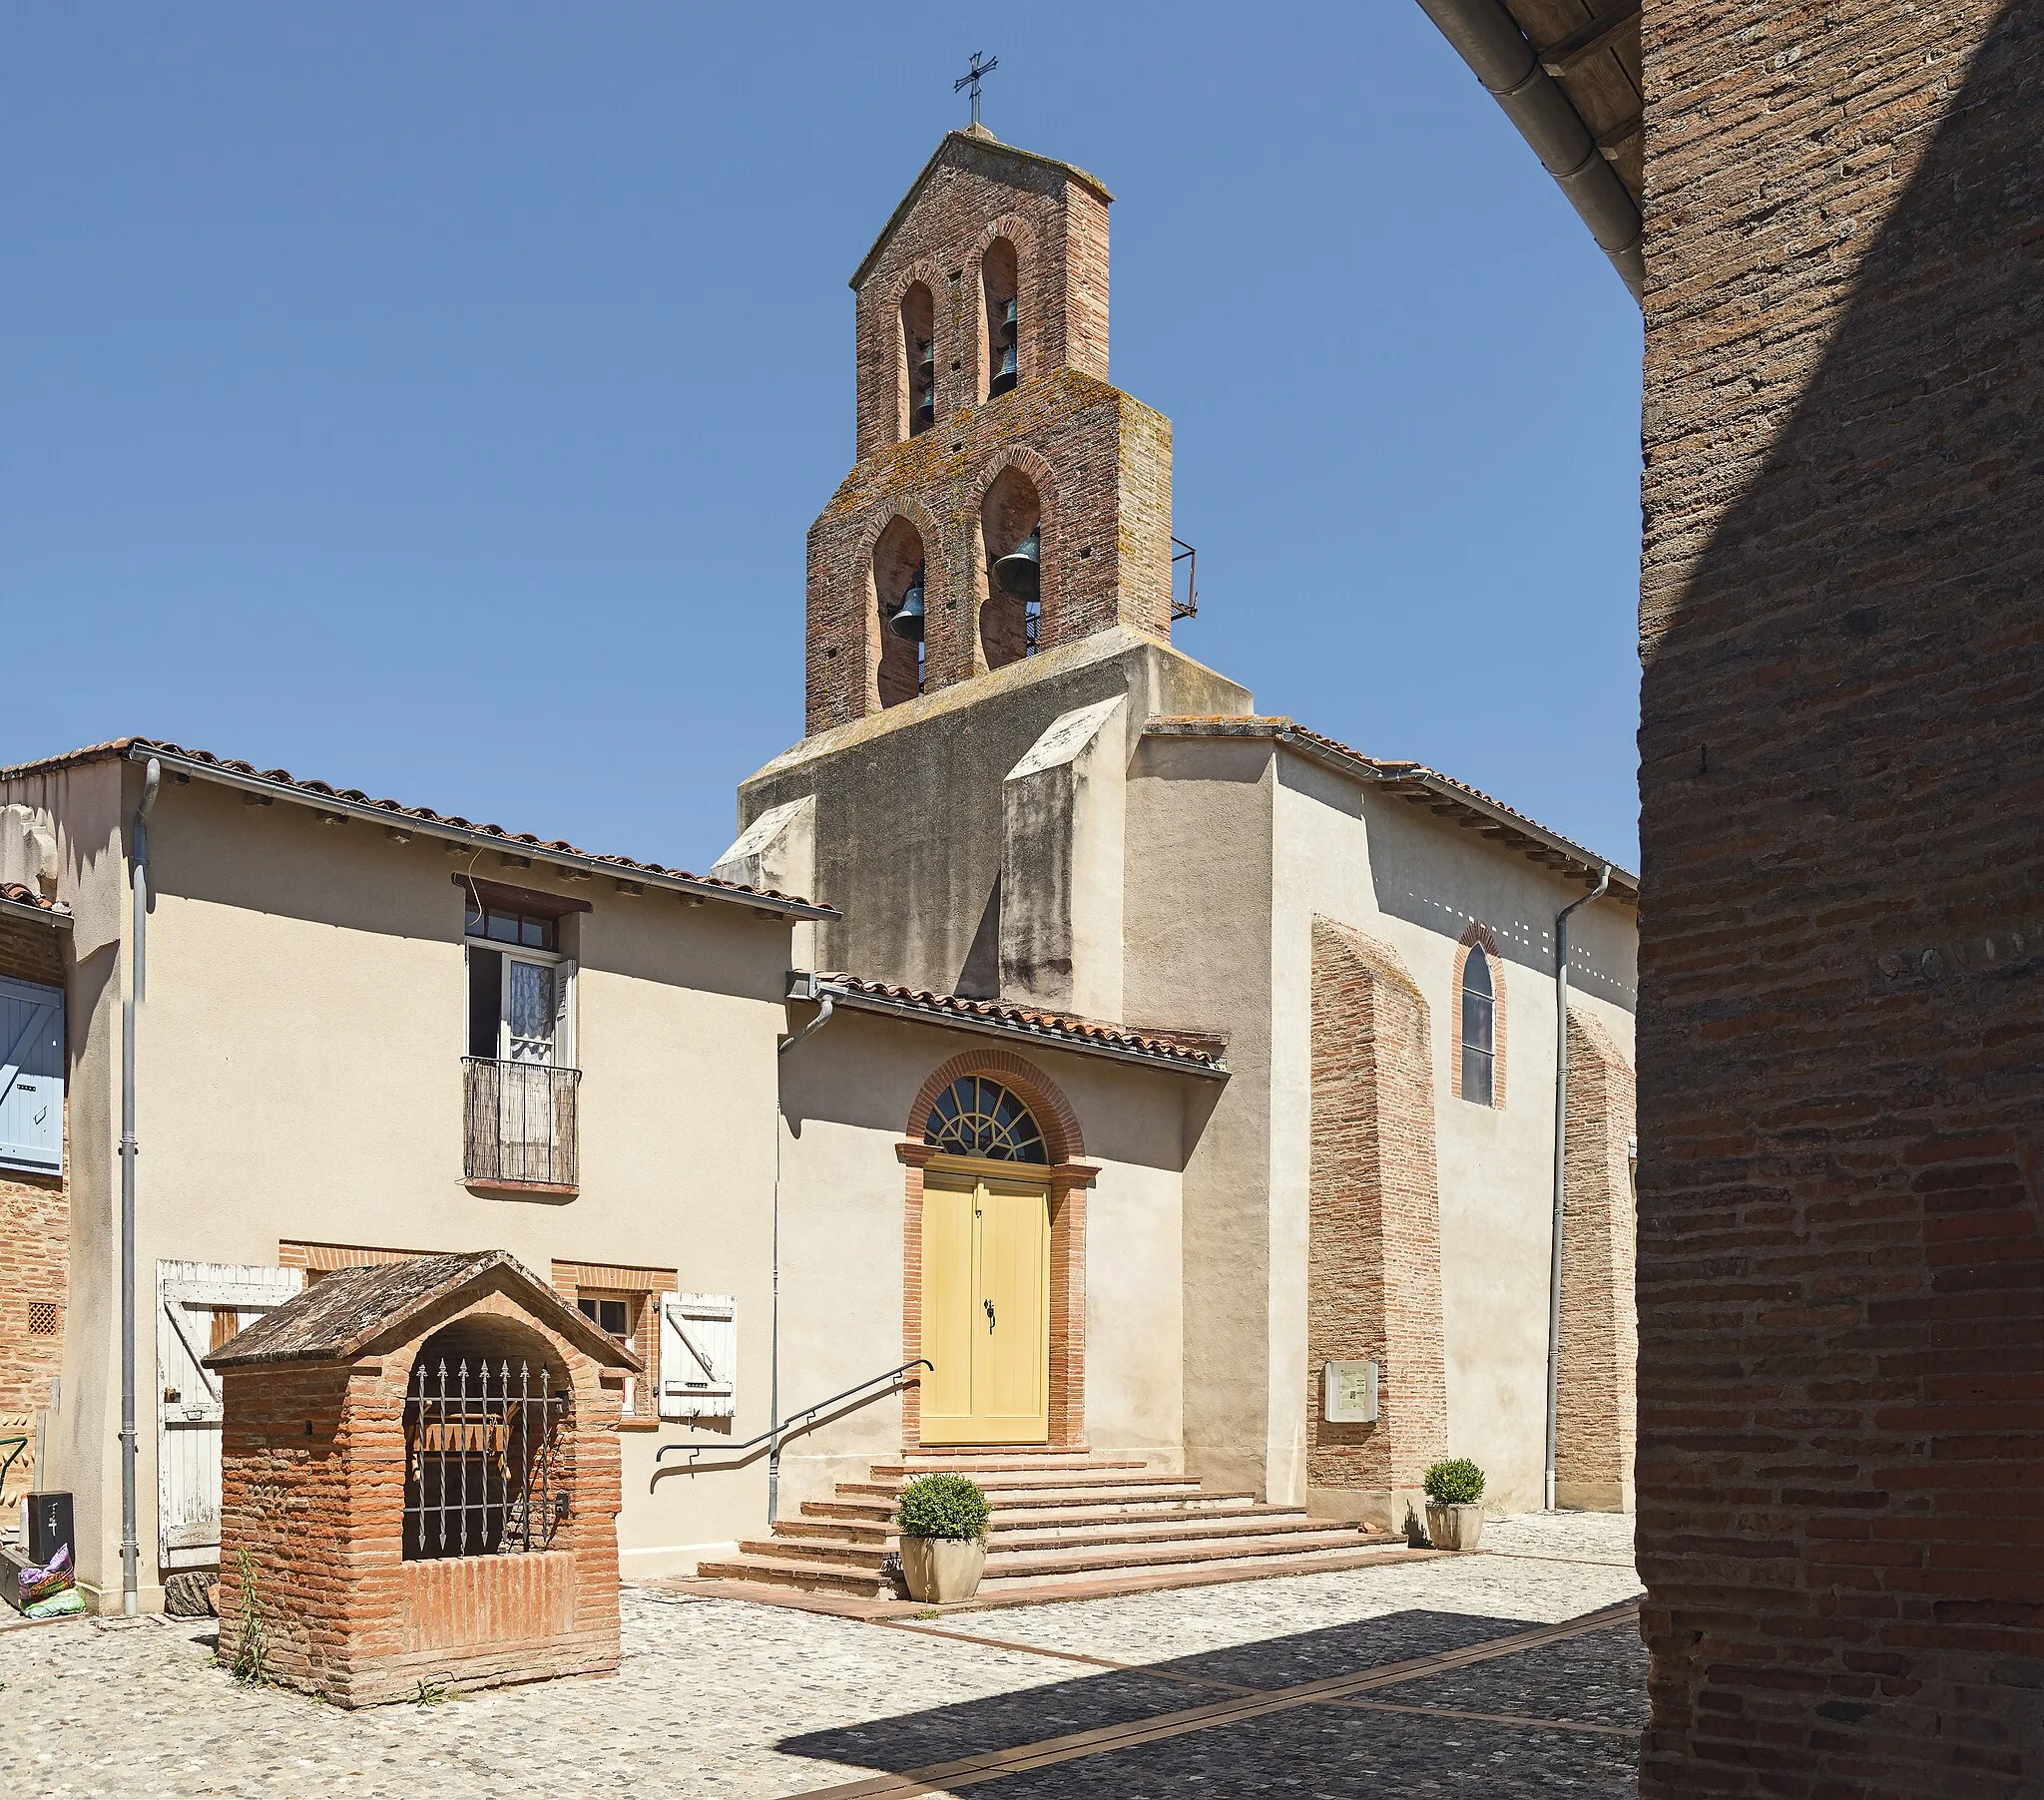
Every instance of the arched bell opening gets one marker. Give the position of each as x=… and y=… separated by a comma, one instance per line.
x=1000, y=287
x=1011, y=528
x=898, y=581
x=916, y=364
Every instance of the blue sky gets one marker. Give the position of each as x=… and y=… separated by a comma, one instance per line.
x=434, y=399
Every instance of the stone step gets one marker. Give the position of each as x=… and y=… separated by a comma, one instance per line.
x=1036, y=1507
x=1042, y=1490
x=1187, y=1536
x=1001, y=1481
x=786, y=1572
x=1004, y=1570
x=828, y=1519
x=994, y=1464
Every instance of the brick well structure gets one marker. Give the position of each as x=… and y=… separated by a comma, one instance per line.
x=1373, y=1273
x=1841, y=969
x=352, y=1485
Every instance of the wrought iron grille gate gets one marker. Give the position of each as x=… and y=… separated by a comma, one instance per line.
x=485, y=1469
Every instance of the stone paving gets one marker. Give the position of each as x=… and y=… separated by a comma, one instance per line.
x=720, y=1697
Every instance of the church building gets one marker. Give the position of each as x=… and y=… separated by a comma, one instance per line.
x=1014, y=786
x=1070, y=1073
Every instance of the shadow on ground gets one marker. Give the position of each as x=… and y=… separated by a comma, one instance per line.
x=1331, y=1748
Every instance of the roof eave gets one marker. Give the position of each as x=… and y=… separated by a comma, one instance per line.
x=22, y=913
x=815, y=988
x=139, y=750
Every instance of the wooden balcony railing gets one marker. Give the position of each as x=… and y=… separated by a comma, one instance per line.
x=519, y=1123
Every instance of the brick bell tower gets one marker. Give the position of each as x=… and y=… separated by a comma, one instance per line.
x=991, y=447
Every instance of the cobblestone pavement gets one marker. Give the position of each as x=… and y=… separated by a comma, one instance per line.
x=720, y=1697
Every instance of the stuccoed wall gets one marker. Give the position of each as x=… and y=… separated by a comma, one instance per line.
x=910, y=802
x=850, y=1090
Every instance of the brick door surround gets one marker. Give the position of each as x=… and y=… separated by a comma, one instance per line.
x=1066, y=1180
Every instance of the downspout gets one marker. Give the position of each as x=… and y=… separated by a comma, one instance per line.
x=131, y=1603
x=1561, y=1127
x=774, y=1380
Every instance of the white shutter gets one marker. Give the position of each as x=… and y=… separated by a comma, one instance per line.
x=699, y=1356
x=189, y=1411
x=31, y=1076
x=564, y=1014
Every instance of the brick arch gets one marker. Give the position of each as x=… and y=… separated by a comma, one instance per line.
x=1478, y=933
x=1033, y=465
x=865, y=600
x=1044, y=1098
x=1030, y=340
x=888, y=322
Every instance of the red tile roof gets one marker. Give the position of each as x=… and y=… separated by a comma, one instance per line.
x=1414, y=781
x=1190, y=1050
x=206, y=764
x=16, y=895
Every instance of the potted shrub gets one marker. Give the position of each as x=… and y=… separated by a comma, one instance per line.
x=942, y=1519
x=1454, y=1520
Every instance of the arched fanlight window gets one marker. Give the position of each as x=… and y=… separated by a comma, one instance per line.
x=978, y=1118
x=1479, y=1028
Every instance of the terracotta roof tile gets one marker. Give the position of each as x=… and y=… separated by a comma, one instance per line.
x=354, y=796
x=1189, y=1049
x=1481, y=805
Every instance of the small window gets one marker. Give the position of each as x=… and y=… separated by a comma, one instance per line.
x=31, y=1077
x=1479, y=1028
x=613, y=1317
x=619, y=1317
x=502, y=926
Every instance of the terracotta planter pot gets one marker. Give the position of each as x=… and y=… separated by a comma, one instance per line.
x=1454, y=1528
x=942, y=1569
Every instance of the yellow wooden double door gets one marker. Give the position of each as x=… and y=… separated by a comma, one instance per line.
x=985, y=1311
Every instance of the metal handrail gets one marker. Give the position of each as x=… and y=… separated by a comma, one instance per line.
x=8, y=1460
x=794, y=1420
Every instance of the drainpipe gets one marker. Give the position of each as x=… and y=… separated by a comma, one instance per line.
x=773, y=1400
x=1561, y=1126
x=131, y=1603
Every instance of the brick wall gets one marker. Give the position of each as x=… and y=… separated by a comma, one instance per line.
x=1842, y=961
x=35, y=1241
x=1098, y=462
x=1594, y=1414
x=1373, y=1270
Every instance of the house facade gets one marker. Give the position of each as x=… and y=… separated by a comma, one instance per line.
x=1066, y=1060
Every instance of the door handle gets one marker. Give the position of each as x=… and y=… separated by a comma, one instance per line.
x=990, y=1320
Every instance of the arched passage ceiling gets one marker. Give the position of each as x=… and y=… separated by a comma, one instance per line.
x=1567, y=73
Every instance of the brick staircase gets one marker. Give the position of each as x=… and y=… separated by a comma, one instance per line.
x=1058, y=1519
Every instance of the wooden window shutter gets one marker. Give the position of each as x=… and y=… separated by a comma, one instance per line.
x=699, y=1356
x=564, y=1014
x=31, y=1076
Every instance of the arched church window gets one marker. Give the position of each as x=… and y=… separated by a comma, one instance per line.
x=918, y=360
x=1479, y=1028
x=978, y=1118
x=998, y=283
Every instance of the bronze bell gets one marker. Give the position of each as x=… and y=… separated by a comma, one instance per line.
x=908, y=617
x=1017, y=574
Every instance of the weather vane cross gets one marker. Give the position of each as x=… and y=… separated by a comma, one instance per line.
x=970, y=79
